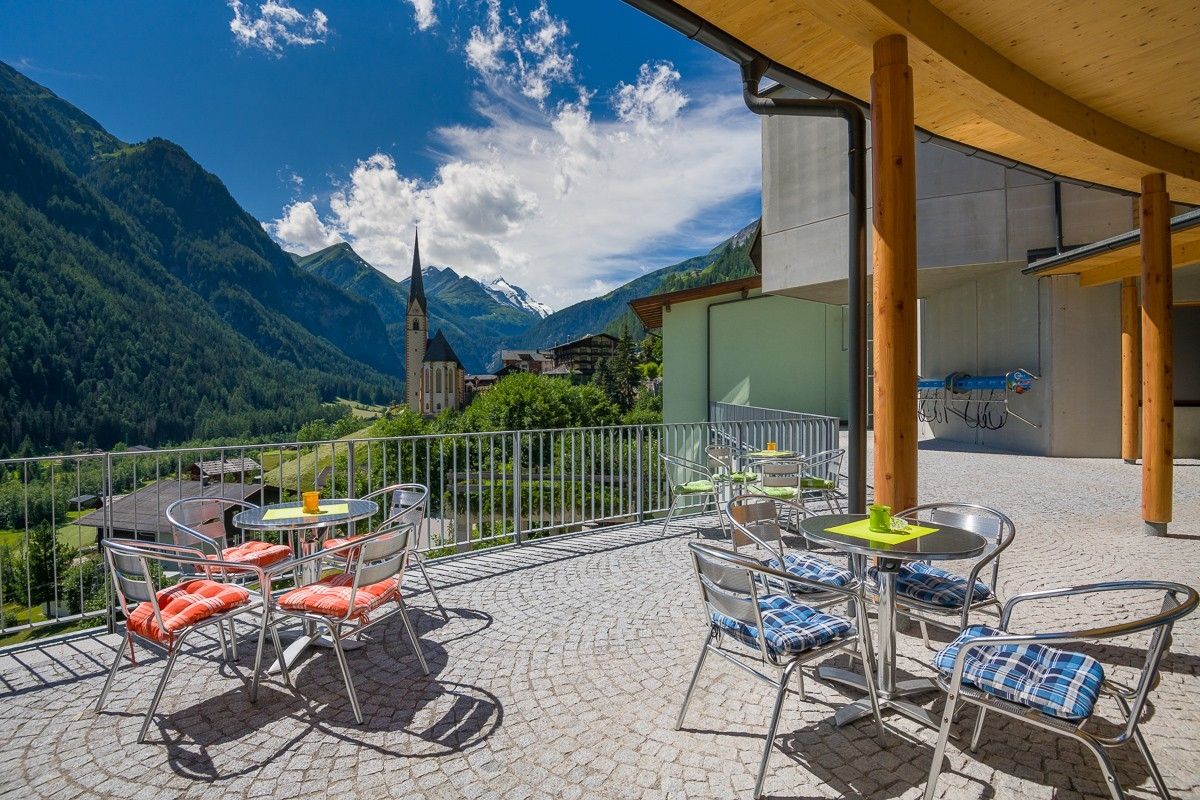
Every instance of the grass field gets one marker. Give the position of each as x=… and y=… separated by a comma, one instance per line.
x=77, y=536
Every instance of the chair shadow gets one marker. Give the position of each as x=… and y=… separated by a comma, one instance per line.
x=318, y=701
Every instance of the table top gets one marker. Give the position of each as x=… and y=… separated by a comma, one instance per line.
x=253, y=518
x=760, y=454
x=946, y=544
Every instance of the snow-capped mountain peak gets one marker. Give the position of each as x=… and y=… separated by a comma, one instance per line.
x=516, y=297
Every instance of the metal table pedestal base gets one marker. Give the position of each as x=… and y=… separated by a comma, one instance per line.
x=299, y=641
x=893, y=701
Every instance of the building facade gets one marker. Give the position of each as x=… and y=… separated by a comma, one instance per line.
x=979, y=223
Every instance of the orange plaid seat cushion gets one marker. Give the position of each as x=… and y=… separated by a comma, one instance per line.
x=330, y=596
x=185, y=604
x=259, y=554
x=338, y=542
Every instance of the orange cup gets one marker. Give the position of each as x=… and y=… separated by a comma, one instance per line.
x=770, y=445
x=312, y=502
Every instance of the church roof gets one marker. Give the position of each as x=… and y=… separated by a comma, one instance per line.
x=416, y=286
x=440, y=350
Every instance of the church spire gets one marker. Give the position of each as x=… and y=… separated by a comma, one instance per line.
x=416, y=286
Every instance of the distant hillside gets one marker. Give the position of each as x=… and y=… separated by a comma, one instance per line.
x=140, y=303
x=729, y=259
x=475, y=320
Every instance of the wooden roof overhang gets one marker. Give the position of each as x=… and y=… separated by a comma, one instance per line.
x=1104, y=92
x=1110, y=260
x=649, y=309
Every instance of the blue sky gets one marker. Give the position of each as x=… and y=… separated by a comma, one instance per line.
x=566, y=145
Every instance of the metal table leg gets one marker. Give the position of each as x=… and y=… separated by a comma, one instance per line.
x=891, y=694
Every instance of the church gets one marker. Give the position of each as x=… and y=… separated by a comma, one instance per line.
x=434, y=375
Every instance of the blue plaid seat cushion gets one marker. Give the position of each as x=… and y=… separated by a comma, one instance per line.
x=803, y=565
x=926, y=583
x=1060, y=683
x=789, y=628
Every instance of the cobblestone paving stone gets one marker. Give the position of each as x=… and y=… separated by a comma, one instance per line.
x=561, y=668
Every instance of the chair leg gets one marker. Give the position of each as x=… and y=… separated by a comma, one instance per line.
x=284, y=671
x=112, y=673
x=264, y=622
x=975, y=734
x=420, y=562
x=1144, y=748
x=162, y=685
x=775, y=714
x=671, y=513
x=341, y=657
x=687, y=698
x=224, y=643
x=867, y=652
x=935, y=769
x=412, y=637
x=925, y=634
x=233, y=640
x=1106, y=768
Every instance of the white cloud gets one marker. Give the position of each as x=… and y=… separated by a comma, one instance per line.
x=654, y=100
x=563, y=198
x=423, y=13
x=301, y=230
x=276, y=25
x=530, y=53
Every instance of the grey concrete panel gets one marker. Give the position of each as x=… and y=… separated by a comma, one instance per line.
x=1093, y=214
x=943, y=172
x=814, y=253
x=804, y=171
x=961, y=229
x=1030, y=211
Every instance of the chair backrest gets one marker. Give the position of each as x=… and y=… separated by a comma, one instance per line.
x=780, y=472
x=683, y=470
x=756, y=522
x=199, y=522
x=1178, y=601
x=405, y=504
x=720, y=458
x=381, y=554
x=726, y=586
x=825, y=466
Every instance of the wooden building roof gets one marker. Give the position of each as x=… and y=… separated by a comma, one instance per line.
x=145, y=511
x=649, y=309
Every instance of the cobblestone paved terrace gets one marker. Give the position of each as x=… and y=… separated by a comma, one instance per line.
x=562, y=667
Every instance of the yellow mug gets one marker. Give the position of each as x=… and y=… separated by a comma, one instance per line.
x=312, y=502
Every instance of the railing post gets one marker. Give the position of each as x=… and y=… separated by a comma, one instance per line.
x=641, y=508
x=516, y=497
x=110, y=601
x=350, y=471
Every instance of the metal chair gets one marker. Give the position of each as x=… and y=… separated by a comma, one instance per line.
x=722, y=462
x=406, y=505
x=775, y=630
x=779, y=478
x=934, y=596
x=821, y=479
x=345, y=601
x=166, y=617
x=199, y=522
x=697, y=482
x=1019, y=676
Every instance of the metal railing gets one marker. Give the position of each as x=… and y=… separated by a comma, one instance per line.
x=486, y=489
x=795, y=431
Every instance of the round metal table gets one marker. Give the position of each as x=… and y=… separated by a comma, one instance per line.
x=306, y=531
x=947, y=543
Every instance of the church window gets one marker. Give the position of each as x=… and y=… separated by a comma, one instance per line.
x=416, y=324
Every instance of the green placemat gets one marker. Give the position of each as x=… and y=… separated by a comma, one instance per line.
x=771, y=454
x=300, y=513
x=861, y=529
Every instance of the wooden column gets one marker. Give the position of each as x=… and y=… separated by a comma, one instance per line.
x=1131, y=372
x=894, y=259
x=1158, y=402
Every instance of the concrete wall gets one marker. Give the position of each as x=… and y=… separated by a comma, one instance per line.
x=773, y=352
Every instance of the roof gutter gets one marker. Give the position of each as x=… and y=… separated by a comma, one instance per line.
x=1183, y=222
x=755, y=67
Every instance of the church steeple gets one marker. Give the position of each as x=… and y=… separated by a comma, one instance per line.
x=416, y=286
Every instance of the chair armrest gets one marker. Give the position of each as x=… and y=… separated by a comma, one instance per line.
x=852, y=591
x=1165, y=616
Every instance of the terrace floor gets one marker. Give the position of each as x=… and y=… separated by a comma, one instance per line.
x=562, y=667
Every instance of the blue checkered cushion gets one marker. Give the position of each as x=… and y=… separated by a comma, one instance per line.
x=789, y=628
x=1060, y=683
x=934, y=585
x=815, y=569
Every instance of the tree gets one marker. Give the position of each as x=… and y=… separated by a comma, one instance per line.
x=48, y=558
x=525, y=401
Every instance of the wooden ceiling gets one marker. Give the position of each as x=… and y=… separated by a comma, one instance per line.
x=1104, y=91
x=1111, y=266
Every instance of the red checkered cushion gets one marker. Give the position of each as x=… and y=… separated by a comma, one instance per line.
x=330, y=596
x=329, y=544
x=185, y=604
x=259, y=554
